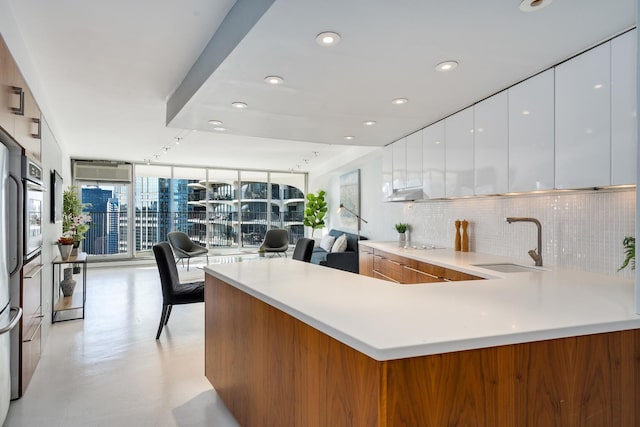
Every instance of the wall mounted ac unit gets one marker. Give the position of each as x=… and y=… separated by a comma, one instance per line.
x=102, y=171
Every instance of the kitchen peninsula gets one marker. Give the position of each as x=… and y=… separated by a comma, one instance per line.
x=291, y=343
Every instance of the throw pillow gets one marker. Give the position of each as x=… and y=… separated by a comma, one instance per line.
x=340, y=245
x=327, y=242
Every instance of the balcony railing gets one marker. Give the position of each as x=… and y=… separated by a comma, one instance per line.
x=108, y=234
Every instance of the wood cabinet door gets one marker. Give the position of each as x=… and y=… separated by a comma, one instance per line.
x=411, y=275
x=365, y=262
x=7, y=69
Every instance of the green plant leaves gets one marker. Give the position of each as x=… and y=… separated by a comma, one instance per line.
x=629, y=244
x=315, y=211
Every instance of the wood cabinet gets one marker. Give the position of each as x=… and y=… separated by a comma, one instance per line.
x=583, y=120
x=19, y=114
x=459, y=154
x=396, y=268
x=490, y=152
x=623, y=109
x=8, y=99
x=589, y=380
x=531, y=134
x=433, y=160
x=31, y=323
x=365, y=261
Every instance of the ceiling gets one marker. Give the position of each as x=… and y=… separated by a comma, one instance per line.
x=108, y=70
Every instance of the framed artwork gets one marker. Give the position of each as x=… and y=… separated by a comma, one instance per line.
x=56, y=197
x=350, y=198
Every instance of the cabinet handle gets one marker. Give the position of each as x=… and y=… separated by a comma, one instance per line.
x=17, y=91
x=19, y=204
x=423, y=272
x=394, y=262
x=35, y=331
x=38, y=133
x=386, y=277
x=34, y=272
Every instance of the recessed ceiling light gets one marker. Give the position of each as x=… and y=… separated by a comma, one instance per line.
x=446, y=66
x=274, y=80
x=328, y=38
x=399, y=101
x=369, y=123
x=219, y=129
x=525, y=112
x=534, y=5
x=598, y=86
x=215, y=122
x=239, y=105
x=349, y=137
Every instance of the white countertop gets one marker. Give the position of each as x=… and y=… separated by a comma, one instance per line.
x=389, y=321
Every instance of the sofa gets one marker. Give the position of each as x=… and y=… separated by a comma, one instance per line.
x=347, y=260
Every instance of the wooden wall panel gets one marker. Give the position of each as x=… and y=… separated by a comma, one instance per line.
x=571, y=382
x=272, y=370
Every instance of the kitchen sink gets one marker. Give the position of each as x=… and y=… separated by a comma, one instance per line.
x=509, y=267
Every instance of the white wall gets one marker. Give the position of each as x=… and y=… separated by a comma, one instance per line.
x=52, y=159
x=581, y=230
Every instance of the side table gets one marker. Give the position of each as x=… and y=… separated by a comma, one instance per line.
x=63, y=307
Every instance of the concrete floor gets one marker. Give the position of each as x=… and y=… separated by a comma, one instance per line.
x=108, y=369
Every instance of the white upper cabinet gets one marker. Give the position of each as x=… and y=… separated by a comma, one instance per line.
x=400, y=164
x=531, y=134
x=491, y=145
x=414, y=160
x=459, y=154
x=623, y=109
x=387, y=172
x=583, y=121
x=433, y=160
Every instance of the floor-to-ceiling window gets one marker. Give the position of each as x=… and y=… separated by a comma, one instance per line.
x=152, y=201
x=288, y=189
x=221, y=198
x=107, y=203
x=189, y=203
x=217, y=208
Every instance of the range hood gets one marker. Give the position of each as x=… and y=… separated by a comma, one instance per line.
x=407, y=195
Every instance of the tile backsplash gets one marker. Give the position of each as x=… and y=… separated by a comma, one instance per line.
x=581, y=230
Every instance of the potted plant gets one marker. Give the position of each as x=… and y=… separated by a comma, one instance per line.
x=75, y=222
x=65, y=245
x=401, y=228
x=629, y=244
x=314, y=213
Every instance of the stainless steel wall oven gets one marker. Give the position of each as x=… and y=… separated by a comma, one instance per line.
x=33, y=207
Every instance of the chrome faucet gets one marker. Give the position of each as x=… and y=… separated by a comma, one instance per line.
x=537, y=256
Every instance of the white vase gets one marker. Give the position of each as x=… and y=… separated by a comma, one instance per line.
x=402, y=238
x=65, y=251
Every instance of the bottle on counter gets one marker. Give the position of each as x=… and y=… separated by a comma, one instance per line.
x=464, y=240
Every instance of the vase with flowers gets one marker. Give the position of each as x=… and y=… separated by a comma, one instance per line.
x=75, y=222
x=65, y=245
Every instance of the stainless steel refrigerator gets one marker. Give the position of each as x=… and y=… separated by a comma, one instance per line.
x=9, y=316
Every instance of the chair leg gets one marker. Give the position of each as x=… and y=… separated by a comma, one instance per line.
x=207, y=259
x=163, y=317
x=168, y=314
x=188, y=259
